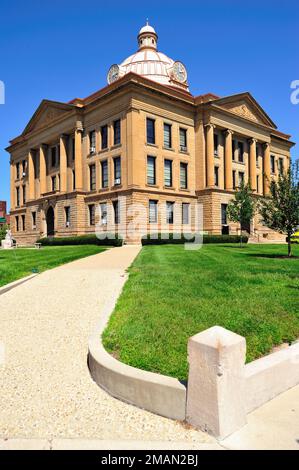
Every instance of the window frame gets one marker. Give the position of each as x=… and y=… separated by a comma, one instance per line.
x=117, y=132
x=91, y=212
x=104, y=137
x=184, y=205
x=168, y=160
x=167, y=143
x=153, y=203
x=103, y=174
x=153, y=158
x=170, y=214
x=117, y=170
x=185, y=166
x=183, y=148
x=153, y=137
x=92, y=177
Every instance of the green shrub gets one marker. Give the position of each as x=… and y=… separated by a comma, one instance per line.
x=179, y=239
x=81, y=240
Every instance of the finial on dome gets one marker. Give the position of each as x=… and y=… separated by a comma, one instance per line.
x=147, y=37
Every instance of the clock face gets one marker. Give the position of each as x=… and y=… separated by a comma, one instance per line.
x=113, y=73
x=179, y=72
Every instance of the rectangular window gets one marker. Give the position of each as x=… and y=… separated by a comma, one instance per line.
x=117, y=171
x=17, y=223
x=24, y=194
x=104, y=168
x=257, y=155
x=24, y=168
x=53, y=181
x=23, y=223
x=18, y=171
x=169, y=212
x=183, y=175
x=53, y=156
x=234, y=179
x=185, y=213
x=167, y=135
x=18, y=196
x=104, y=137
x=183, y=140
x=223, y=214
x=257, y=183
x=168, y=173
x=241, y=178
x=67, y=214
x=104, y=213
x=216, y=176
x=151, y=170
x=73, y=149
x=153, y=211
x=116, y=132
x=216, y=141
x=92, y=142
x=234, y=149
x=91, y=209
x=241, y=152
x=150, y=131
x=74, y=179
x=280, y=166
x=116, y=211
x=33, y=214
x=92, y=178
x=272, y=164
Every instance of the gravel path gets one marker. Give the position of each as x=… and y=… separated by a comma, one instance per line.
x=46, y=390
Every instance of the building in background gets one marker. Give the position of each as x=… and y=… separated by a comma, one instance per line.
x=146, y=139
x=4, y=217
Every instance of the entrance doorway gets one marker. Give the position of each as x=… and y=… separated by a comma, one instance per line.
x=50, y=222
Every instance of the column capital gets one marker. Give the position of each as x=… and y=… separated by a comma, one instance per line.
x=63, y=136
x=43, y=146
x=228, y=132
x=266, y=145
x=210, y=125
x=252, y=140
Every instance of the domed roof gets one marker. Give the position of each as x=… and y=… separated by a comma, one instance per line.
x=147, y=29
x=150, y=63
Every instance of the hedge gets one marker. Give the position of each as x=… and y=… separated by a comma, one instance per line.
x=81, y=240
x=179, y=239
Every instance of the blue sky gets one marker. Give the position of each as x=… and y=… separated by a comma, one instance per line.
x=62, y=49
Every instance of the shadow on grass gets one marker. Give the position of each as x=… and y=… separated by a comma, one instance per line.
x=271, y=255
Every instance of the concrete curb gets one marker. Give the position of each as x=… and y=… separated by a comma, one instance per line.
x=17, y=283
x=157, y=393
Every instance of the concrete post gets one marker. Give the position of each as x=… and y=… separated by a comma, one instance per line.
x=228, y=156
x=210, y=155
x=267, y=169
x=31, y=177
x=63, y=163
x=215, y=394
x=252, y=163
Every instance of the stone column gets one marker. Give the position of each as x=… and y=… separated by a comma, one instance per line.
x=210, y=155
x=228, y=158
x=63, y=163
x=31, y=176
x=266, y=168
x=78, y=158
x=43, y=168
x=252, y=163
x=216, y=383
x=12, y=185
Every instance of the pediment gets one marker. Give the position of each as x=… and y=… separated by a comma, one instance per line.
x=245, y=106
x=47, y=112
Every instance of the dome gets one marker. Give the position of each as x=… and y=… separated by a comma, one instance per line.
x=150, y=63
x=147, y=29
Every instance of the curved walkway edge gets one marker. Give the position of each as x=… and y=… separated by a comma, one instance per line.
x=157, y=393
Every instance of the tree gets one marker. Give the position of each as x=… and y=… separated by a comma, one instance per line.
x=280, y=211
x=241, y=209
x=3, y=230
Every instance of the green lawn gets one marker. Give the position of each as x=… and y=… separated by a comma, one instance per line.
x=18, y=263
x=173, y=294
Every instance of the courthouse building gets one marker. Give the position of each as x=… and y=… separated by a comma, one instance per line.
x=143, y=139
